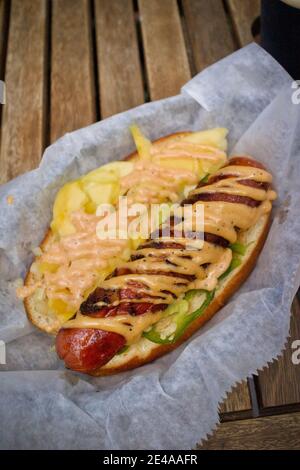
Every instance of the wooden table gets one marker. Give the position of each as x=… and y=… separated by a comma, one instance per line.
x=68, y=63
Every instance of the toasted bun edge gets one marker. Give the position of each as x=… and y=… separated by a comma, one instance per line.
x=221, y=298
x=45, y=321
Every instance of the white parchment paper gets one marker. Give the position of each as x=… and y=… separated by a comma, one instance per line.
x=172, y=403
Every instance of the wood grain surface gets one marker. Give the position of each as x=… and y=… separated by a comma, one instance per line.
x=164, y=48
x=280, y=382
x=120, y=76
x=243, y=14
x=23, y=116
x=4, y=20
x=209, y=31
x=72, y=79
x=237, y=400
x=273, y=432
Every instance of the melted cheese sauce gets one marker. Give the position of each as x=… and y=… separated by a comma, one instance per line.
x=220, y=218
x=126, y=325
x=152, y=183
x=205, y=264
x=81, y=260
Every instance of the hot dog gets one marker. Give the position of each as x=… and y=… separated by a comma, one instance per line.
x=72, y=260
x=162, y=272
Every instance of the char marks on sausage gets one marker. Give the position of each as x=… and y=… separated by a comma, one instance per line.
x=86, y=349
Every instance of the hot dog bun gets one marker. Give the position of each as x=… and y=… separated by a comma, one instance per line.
x=146, y=351
x=231, y=197
x=35, y=305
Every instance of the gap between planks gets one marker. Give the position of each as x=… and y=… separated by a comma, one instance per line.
x=267, y=433
x=279, y=383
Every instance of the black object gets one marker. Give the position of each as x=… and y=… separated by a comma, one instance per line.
x=280, y=34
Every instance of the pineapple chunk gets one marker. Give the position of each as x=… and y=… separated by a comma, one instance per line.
x=211, y=138
x=99, y=176
x=69, y=198
x=120, y=169
x=143, y=144
x=90, y=207
x=47, y=267
x=102, y=193
x=75, y=198
x=109, y=173
x=102, y=185
x=215, y=137
x=65, y=227
x=60, y=308
x=209, y=167
x=135, y=242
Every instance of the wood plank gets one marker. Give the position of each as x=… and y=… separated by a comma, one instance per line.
x=3, y=29
x=23, y=116
x=209, y=31
x=72, y=79
x=4, y=21
x=120, y=77
x=243, y=14
x=166, y=57
x=237, y=400
x=270, y=433
x=280, y=382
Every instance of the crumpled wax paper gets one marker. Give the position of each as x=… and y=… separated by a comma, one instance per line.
x=173, y=402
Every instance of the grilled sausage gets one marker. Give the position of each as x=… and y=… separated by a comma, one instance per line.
x=89, y=349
